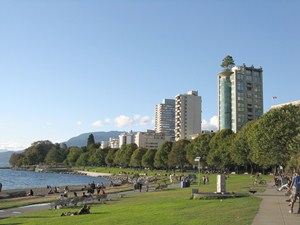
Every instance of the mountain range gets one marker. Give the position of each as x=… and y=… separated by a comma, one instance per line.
x=81, y=140
x=4, y=157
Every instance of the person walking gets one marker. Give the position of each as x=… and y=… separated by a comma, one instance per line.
x=0, y=187
x=295, y=187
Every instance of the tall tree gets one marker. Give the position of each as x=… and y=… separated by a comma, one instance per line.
x=148, y=158
x=74, y=154
x=54, y=156
x=219, y=155
x=83, y=159
x=161, y=156
x=97, y=157
x=37, y=152
x=136, y=157
x=199, y=147
x=177, y=156
x=273, y=134
x=227, y=62
x=109, y=159
x=90, y=141
x=240, y=148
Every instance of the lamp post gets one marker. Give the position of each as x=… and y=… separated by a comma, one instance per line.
x=197, y=159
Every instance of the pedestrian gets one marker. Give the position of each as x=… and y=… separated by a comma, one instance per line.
x=295, y=187
x=0, y=187
x=147, y=184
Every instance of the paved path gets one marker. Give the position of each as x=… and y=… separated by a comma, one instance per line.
x=274, y=209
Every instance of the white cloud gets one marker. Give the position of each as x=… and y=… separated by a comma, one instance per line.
x=108, y=120
x=97, y=124
x=144, y=120
x=122, y=121
x=211, y=125
x=79, y=123
x=141, y=120
x=12, y=146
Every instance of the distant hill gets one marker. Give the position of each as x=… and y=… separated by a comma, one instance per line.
x=5, y=156
x=81, y=140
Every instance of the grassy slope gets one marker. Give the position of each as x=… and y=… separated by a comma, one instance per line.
x=172, y=206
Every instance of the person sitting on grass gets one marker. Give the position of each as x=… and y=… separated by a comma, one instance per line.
x=30, y=193
x=84, y=210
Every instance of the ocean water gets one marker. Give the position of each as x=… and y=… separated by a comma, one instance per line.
x=15, y=179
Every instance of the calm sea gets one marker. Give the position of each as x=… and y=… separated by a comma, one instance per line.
x=14, y=179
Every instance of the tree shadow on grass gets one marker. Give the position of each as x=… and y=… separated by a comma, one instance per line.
x=11, y=223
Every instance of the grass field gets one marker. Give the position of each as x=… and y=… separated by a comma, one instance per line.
x=170, y=206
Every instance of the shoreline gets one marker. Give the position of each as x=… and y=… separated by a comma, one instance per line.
x=94, y=174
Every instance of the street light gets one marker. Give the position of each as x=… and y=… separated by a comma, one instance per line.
x=197, y=159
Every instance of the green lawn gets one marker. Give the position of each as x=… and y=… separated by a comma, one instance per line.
x=171, y=206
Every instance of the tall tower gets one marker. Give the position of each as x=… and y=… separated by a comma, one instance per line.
x=187, y=115
x=240, y=96
x=165, y=118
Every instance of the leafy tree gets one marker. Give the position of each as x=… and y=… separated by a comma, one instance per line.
x=90, y=142
x=74, y=154
x=177, y=156
x=123, y=155
x=109, y=159
x=128, y=151
x=136, y=157
x=161, y=156
x=97, y=157
x=54, y=156
x=148, y=158
x=37, y=152
x=240, y=148
x=227, y=62
x=219, y=155
x=83, y=159
x=17, y=159
x=199, y=147
x=273, y=134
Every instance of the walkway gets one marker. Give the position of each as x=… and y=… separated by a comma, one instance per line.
x=274, y=209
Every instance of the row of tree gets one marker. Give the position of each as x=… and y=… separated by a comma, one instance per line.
x=267, y=143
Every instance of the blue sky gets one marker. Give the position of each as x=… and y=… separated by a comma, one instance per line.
x=69, y=67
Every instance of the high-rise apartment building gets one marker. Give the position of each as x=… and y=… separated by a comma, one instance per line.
x=165, y=118
x=240, y=96
x=187, y=115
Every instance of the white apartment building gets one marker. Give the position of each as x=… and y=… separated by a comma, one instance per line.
x=187, y=115
x=165, y=118
x=149, y=139
x=283, y=104
x=112, y=143
x=126, y=138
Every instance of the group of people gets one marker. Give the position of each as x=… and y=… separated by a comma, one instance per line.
x=51, y=191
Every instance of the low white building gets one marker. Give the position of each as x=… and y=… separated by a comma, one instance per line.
x=113, y=142
x=283, y=104
x=149, y=139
